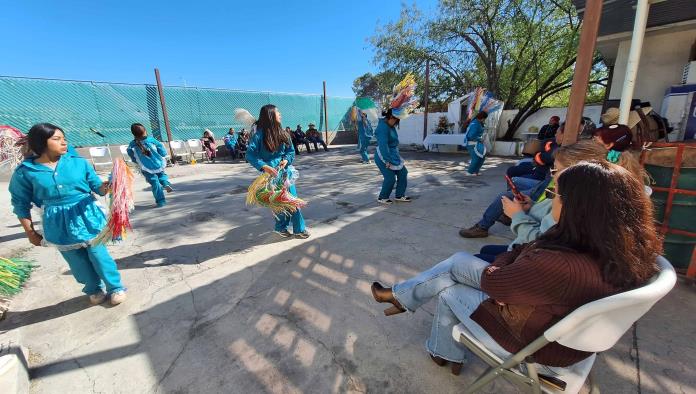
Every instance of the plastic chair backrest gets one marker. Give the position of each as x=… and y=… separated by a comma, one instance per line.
x=598, y=325
x=194, y=143
x=99, y=151
x=176, y=144
x=123, y=149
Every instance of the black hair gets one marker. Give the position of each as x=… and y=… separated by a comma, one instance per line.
x=388, y=114
x=38, y=136
x=482, y=115
x=273, y=133
x=138, y=130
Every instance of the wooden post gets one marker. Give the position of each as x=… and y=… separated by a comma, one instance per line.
x=583, y=66
x=164, y=113
x=326, y=117
x=427, y=92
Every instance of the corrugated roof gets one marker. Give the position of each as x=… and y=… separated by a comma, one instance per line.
x=618, y=15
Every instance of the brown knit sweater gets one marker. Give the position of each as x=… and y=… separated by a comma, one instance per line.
x=532, y=289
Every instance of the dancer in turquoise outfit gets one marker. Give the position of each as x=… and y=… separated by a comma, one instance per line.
x=61, y=183
x=388, y=160
x=473, y=140
x=365, y=133
x=270, y=149
x=150, y=154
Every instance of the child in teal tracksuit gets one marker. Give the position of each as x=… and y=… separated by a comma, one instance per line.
x=62, y=183
x=365, y=133
x=150, y=154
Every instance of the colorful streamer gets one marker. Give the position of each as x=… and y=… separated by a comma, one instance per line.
x=273, y=192
x=404, y=100
x=14, y=273
x=120, y=206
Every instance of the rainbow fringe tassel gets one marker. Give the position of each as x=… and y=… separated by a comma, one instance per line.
x=14, y=273
x=273, y=193
x=120, y=206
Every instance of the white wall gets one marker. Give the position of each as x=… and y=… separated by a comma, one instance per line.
x=411, y=128
x=541, y=118
x=661, y=65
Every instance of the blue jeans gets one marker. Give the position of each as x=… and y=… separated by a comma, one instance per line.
x=476, y=161
x=490, y=252
x=157, y=181
x=390, y=177
x=94, y=268
x=456, y=282
x=282, y=220
x=495, y=209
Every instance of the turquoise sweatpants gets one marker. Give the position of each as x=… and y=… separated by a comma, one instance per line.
x=157, y=181
x=94, y=268
x=283, y=219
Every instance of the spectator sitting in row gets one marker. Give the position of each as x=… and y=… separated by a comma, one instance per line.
x=548, y=131
x=314, y=136
x=298, y=137
x=230, y=140
x=209, y=145
x=242, y=142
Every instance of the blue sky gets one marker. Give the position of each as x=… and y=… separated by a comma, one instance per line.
x=282, y=46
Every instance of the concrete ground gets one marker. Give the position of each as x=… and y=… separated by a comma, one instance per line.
x=218, y=303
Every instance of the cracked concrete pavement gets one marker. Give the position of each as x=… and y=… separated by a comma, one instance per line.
x=218, y=303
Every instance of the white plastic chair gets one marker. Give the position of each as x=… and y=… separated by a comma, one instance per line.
x=196, y=148
x=124, y=153
x=180, y=150
x=101, y=156
x=593, y=327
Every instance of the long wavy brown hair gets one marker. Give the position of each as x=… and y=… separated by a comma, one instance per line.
x=273, y=133
x=607, y=214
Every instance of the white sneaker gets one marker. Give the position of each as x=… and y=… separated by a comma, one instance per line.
x=385, y=201
x=98, y=298
x=118, y=297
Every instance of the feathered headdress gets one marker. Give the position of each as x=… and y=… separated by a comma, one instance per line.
x=244, y=117
x=481, y=100
x=13, y=147
x=404, y=100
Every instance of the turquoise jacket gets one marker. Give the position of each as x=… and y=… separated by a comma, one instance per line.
x=258, y=156
x=70, y=214
x=365, y=131
x=388, y=145
x=155, y=162
x=230, y=140
x=474, y=131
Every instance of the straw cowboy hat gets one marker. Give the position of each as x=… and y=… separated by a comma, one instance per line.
x=611, y=117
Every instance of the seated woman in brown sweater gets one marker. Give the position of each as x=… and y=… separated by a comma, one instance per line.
x=604, y=242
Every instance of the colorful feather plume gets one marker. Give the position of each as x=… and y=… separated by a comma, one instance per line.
x=244, y=117
x=120, y=206
x=13, y=147
x=481, y=100
x=14, y=273
x=273, y=192
x=404, y=100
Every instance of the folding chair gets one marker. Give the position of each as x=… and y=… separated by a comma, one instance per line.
x=124, y=153
x=594, y=327
x=180, y=150
x=196, y=148
x=101, y=156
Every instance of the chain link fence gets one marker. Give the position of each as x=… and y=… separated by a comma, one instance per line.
x=84, y=108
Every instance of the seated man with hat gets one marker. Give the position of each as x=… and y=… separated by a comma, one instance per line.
x=314, y=136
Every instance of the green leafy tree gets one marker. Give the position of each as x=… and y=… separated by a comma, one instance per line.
x=521, y=50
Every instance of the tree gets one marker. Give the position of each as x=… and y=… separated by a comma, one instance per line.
x=521, y=50
x=377, y=87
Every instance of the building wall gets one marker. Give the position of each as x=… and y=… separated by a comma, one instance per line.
x=661, y=65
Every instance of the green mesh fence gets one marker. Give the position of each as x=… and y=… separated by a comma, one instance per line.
x=81, y=108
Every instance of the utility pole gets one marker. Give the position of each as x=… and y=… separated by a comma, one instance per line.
x=326, y=117
x=164, y=113
x=427, y=93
